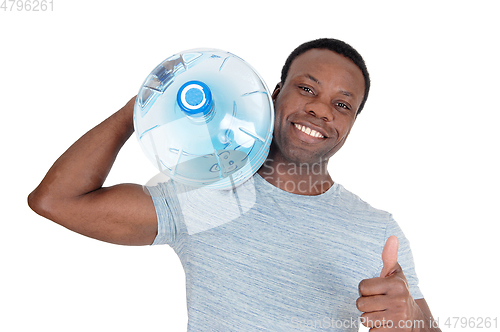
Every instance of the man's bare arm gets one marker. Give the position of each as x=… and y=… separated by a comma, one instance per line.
x=71, y=194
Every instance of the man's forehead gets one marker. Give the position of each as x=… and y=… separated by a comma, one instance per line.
x=315, y=58
x=328, y=68
x=315, y=65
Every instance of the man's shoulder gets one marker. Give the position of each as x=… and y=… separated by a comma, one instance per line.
x=355, y=205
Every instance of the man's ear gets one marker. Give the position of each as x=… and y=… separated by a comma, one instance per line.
x=276, y=91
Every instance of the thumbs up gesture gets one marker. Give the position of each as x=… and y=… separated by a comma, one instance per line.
x=385, y=301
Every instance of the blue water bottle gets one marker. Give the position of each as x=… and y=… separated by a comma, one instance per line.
x=205, y=118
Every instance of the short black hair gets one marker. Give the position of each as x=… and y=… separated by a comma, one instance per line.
x=338, y=47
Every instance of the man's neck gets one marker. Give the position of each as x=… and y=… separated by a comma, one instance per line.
x=297, y=178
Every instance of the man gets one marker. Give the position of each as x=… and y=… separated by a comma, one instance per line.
x=302, y=253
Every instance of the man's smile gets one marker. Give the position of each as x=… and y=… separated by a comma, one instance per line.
x=307, y=134
x=308, y=131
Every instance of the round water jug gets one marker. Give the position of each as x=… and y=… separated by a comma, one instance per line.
x=205, y=117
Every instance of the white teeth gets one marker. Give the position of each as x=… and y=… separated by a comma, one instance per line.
x=308, y=131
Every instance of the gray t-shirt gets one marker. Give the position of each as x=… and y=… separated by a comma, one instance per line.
x=261, y=259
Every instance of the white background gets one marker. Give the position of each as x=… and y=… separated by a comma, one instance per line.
x=424, y=148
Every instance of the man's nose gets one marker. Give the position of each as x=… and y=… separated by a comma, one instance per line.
x=320, y=110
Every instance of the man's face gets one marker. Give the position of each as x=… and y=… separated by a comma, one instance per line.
x=321, y=94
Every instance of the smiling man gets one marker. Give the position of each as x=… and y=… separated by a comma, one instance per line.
x=323, y=88
x=288, y=250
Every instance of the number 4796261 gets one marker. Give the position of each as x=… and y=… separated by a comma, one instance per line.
x=27, y=5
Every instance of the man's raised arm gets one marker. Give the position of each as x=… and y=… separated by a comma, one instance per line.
x=71, y=194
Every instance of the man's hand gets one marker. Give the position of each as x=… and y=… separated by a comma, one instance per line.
x=386, y=301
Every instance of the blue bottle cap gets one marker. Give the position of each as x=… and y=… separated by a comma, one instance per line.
x=195, y=98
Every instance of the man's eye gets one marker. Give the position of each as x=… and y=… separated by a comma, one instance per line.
x=343, y=105
x=306, y=89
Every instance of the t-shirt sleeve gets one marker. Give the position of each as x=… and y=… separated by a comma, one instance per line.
x=167, y=212
x=405, y=257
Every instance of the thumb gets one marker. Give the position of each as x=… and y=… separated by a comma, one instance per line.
x=390, y=256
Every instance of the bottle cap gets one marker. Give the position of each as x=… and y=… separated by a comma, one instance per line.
x=195, y=98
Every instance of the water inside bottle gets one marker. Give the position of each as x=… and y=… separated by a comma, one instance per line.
x=220, y=147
